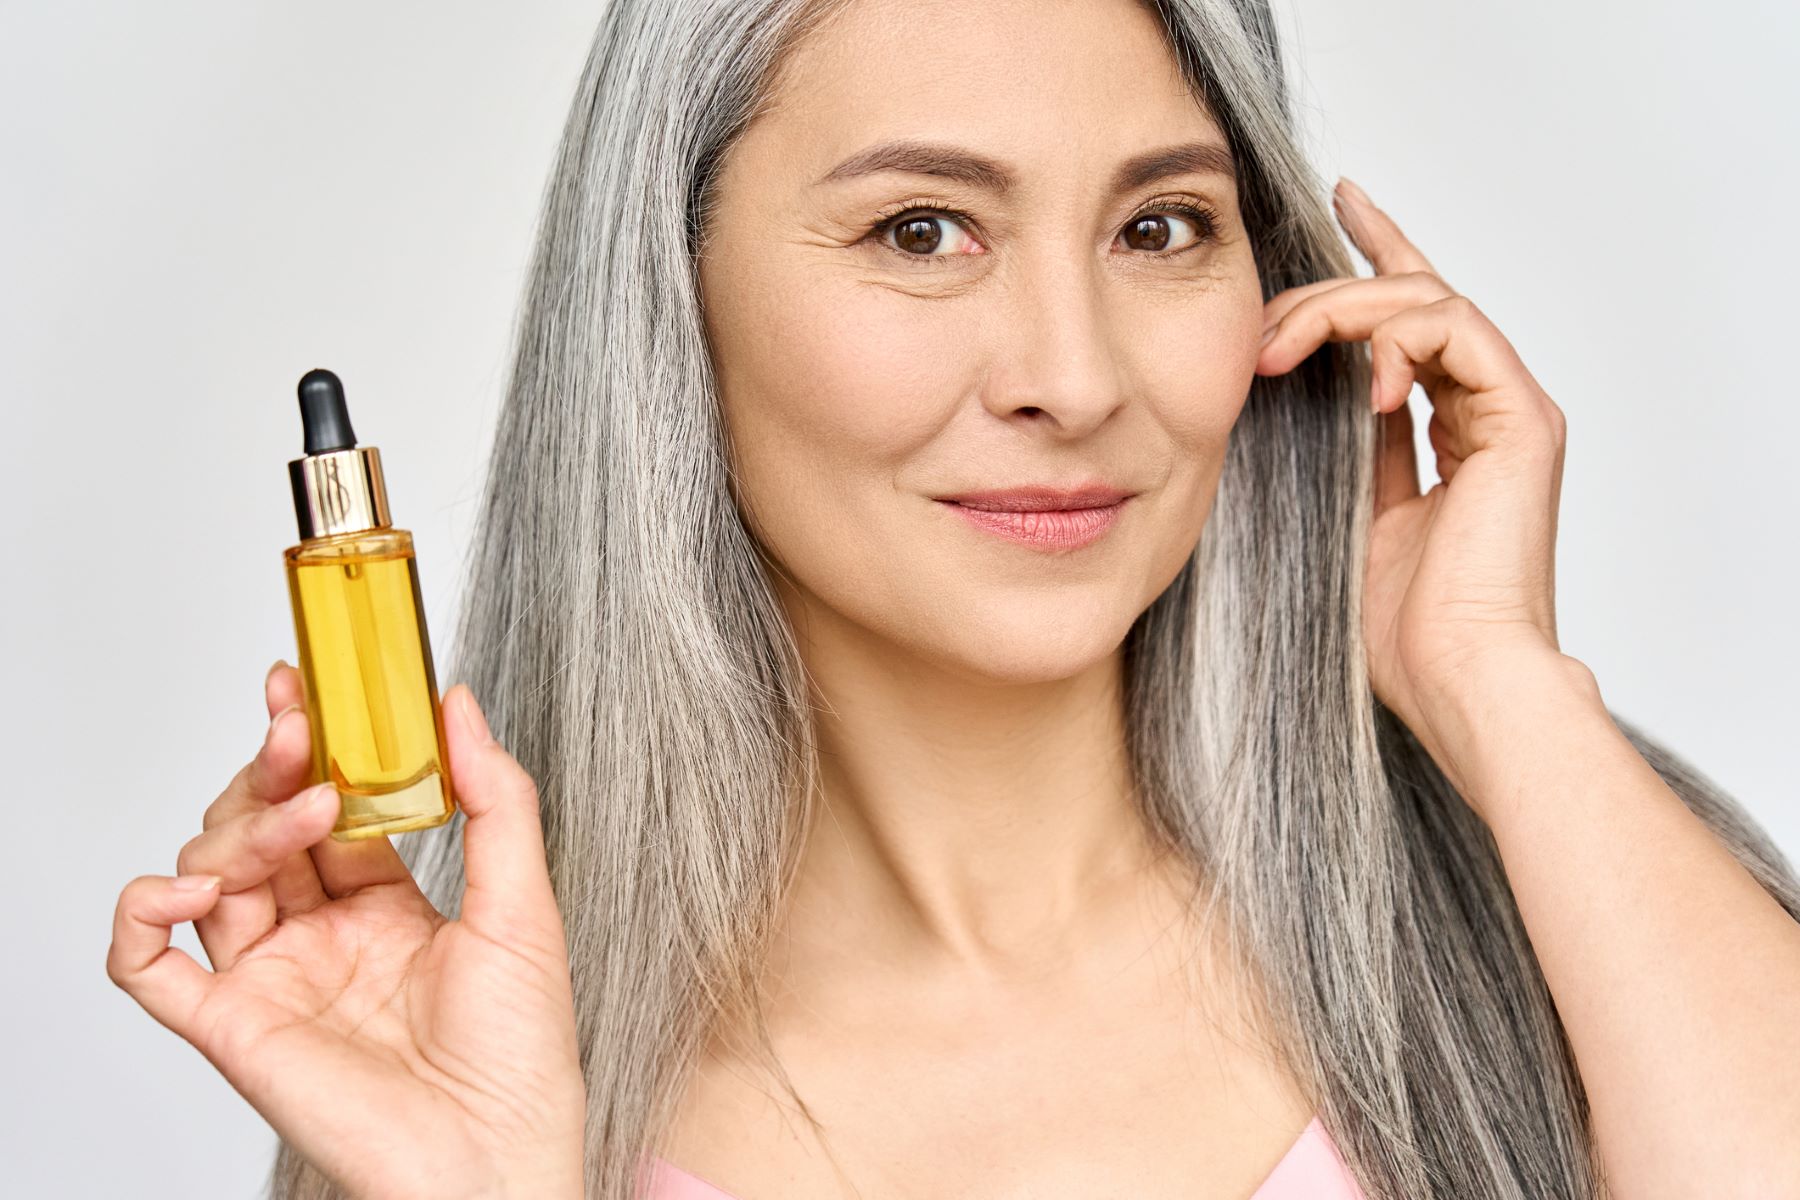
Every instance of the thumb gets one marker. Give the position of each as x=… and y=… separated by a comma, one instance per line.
x=507, y=890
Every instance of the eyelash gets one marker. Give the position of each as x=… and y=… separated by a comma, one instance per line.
x=1205, y=218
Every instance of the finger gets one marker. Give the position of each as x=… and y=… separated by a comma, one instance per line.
x=1374, y=233
x=346, y=868
x=282, y=687
x=1396, y=461
x=1348, y=313
x=341, y=868
x=507, y=877
x=281, y=767
x=246, y=852
x=1493, y=400
x=166, y=981
x=1278, y=306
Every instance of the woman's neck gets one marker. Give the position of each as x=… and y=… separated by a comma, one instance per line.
x=983, y=824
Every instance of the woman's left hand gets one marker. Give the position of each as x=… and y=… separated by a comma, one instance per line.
x=1460, y=580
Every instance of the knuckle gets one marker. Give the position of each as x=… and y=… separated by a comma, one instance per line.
x=237, y=798
x=517, y=780
x=1559, y=421
x=218, y=812
x=231, y=798
x=1431, y=281
x=209, y=849
x=522, y=781
x=1459, y=306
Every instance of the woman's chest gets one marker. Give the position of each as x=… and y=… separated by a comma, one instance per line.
x=1126, y=1094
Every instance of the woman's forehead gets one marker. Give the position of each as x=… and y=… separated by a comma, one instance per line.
x=1022, y=85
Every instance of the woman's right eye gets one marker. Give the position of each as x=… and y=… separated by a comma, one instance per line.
x=918, y=234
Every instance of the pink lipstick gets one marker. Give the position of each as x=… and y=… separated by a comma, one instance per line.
x=1043, y=517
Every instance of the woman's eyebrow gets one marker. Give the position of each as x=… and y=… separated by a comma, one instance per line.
x=976, y=170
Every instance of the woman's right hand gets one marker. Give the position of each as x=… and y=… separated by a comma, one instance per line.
x=403, y=1054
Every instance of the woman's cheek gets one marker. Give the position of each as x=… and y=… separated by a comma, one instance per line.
x=821, y=428
x=870, y=381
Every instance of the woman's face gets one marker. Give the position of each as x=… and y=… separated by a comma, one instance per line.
x=1054, y=318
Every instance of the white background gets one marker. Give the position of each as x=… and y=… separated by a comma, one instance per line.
x=200, y=201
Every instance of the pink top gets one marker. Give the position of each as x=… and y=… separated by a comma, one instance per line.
x=1312, y=1169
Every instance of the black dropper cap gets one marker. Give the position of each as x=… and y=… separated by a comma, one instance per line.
x=324, y=413
x=338, y=486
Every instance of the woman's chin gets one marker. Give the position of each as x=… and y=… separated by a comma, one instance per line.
x=1016, y=652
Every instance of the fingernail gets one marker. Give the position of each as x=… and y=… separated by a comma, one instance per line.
x=193, y=883
x=476, y=720
x=1269, y=333
x=269, y=735
x=273, y=667
x=1349, y=186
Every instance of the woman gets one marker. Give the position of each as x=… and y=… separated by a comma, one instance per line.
x=1226, y=806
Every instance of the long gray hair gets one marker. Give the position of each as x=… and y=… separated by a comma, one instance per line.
x=619, y=626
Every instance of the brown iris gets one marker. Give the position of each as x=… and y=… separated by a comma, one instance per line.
x=920, y=235
x=1155, y=229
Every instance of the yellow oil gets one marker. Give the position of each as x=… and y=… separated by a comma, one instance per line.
x=370, y=691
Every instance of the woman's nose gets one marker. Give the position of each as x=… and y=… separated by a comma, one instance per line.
x=1053, y=358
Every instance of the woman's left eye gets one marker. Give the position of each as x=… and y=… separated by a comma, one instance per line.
x=1153, y=228
x=916, y=231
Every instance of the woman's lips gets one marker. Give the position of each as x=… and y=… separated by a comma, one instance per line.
x=1049, y=529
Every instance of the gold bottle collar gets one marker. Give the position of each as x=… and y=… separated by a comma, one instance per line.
x=340, y=491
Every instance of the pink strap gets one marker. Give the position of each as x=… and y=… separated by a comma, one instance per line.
x=1312, y=1169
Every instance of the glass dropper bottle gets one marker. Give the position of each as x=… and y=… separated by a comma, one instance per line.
x=364, y=652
